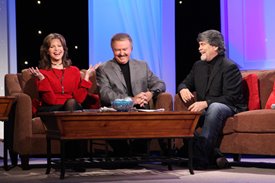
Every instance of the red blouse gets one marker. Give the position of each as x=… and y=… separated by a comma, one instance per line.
x=60, y=85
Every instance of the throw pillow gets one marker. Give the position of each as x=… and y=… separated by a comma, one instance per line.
x=271, y=99
x=251, y=91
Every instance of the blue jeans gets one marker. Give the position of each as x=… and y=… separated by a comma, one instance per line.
x=211, y=121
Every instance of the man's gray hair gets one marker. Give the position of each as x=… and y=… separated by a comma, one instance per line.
x=214, y=38
x=121, y=37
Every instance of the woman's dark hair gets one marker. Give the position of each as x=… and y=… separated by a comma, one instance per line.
x=45, y=61
x=214, y=38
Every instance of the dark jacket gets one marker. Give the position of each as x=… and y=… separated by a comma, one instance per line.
x=224, y=84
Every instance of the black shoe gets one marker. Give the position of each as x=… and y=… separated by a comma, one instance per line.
x=222, y=163
x=219, y=160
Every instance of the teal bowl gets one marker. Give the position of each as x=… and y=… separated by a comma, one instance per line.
x=122, y=105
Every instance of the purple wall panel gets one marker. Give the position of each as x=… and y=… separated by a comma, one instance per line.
x=248, y=29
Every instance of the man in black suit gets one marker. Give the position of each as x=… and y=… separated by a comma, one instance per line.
x=217, y=82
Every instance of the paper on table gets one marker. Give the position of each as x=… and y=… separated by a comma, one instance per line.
x=151, y=110
x=106, y=109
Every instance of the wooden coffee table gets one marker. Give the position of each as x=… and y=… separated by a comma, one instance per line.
x=65, y=126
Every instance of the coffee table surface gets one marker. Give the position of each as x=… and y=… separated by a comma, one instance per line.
x=120, y=125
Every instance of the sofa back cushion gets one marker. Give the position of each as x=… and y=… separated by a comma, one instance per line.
x=266, y=80
x=251, y=91
x=271, y=99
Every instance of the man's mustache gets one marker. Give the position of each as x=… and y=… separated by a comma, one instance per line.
x=125, y=55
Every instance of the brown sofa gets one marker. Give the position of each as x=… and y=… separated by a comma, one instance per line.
x=251, y=132
x=27, y=134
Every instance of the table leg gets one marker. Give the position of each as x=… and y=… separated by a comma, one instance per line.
x=169, y=153
x=5, y=141
x=190, y=156
x=62, y=159
x=49, y=155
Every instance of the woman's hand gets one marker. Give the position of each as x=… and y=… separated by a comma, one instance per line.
x=90, y=70
x=36, y=73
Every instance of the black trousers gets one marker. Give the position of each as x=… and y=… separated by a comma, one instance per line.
x=73, y=149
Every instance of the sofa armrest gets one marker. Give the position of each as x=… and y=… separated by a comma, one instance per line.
x=164, y=100
x=179, y=105
x=12, y=84
x=22, y=123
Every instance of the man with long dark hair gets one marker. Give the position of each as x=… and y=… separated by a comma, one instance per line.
x=217, y=82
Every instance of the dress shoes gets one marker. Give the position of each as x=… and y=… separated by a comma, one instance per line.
x=222, y=163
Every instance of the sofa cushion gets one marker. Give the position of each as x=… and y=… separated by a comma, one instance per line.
x=271, y=98
x=37, y=126
x=251, y=90
x=228, y=127
x=256, y=121
x=249, y=143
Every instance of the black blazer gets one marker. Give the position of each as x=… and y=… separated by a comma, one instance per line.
x=224, y=84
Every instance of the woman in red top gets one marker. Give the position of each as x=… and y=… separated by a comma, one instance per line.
x=59, y=84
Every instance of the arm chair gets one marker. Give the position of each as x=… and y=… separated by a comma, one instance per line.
x=27, y=136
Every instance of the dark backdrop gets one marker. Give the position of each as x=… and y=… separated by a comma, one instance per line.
x=192, y=17
x=69, y=18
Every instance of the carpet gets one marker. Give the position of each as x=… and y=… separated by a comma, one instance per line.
x=249, y=172
x=141, y=174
